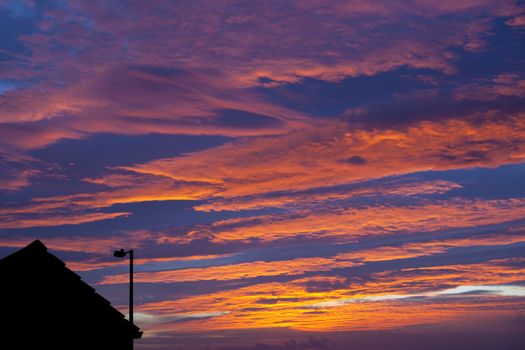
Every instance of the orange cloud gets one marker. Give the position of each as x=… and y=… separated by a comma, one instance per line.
x=298, y=199
x=421, y=279
x=300, y=266
x=243, y=270
x=289, y=305
x=134, y=190
x=347, y=224
x=331, y=153
x=237, y=175
x=412, y=250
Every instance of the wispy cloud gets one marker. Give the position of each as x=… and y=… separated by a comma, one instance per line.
x=475, y=291
x=58, y=220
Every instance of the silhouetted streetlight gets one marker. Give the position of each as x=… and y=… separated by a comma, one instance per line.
x=120, y=254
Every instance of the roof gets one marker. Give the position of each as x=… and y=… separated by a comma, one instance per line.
x=33, y=276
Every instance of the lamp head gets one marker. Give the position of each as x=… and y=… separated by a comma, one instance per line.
x=119, y=253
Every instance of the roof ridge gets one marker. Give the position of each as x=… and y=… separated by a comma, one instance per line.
x=37, y=245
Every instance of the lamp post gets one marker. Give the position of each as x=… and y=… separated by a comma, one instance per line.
x=120, y=254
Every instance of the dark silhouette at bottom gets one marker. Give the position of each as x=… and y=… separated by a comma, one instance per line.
x=45, y=305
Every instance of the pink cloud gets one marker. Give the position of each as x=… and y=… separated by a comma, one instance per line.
x=15, y=222
x=502, y=85
x=518, y=21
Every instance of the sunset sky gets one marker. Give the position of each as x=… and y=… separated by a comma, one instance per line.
x=293, y=174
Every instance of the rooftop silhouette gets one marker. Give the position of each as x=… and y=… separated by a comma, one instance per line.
x=46, y=305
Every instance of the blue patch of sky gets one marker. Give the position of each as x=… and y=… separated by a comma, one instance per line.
x=488, y=183
x=154, y=215
x=11, y=27
x=5, y=251
x=7, y=85
x=21, y=9
x=165, y=214
x=19, y=18
x=324, y=98
x=242, y=119
x=92, y=156
x=504, y=53
x=47, y=184
x=69, y=161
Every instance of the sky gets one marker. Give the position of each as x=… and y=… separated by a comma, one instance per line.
x=299, y=174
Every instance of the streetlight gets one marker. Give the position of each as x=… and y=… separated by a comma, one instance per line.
x=120, y=254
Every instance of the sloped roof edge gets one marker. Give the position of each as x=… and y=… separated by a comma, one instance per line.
x=36, y=248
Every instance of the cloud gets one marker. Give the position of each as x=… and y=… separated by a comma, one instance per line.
x=14, y=179
x=429, y=247
x=238, y=271
x=305, y=204
x=122, y=101
x=469, y=291
x=449, y=300
x=147, y=319
x=106, y=245
x=350, y=223
x=93, y=244
x=278, y=41
x=78, y=208
x=316, y=157
x=305, y=266
x=502, y=85
x=518, y=21
x=181, y=77
x=250, y=171
x=311, y=198
x=10, y=222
